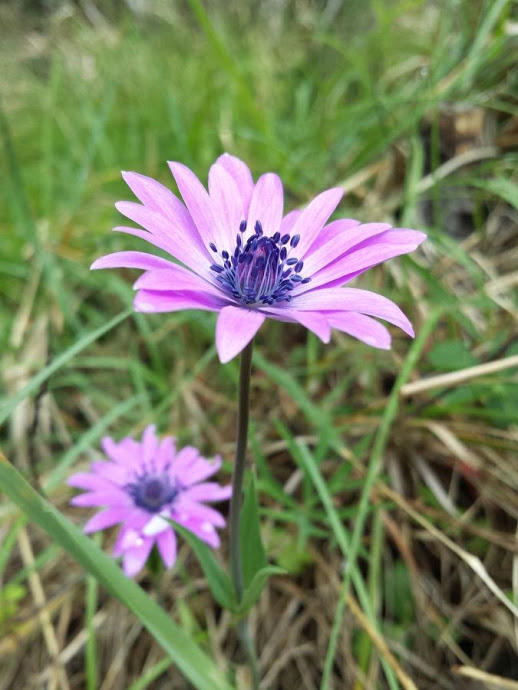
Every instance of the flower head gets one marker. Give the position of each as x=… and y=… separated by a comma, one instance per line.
x=141, y=484
x=246, y=260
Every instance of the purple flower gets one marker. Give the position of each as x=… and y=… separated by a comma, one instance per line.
x=143, y=483
x=242, y=258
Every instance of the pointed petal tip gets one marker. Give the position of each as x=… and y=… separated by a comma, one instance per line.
x=98, y=263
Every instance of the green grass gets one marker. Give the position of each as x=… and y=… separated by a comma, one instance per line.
x=363, y=95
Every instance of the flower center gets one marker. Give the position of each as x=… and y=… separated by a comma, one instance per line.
x=260, y=270
x=152, y=491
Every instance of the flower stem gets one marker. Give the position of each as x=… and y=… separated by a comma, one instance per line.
x=236, y=565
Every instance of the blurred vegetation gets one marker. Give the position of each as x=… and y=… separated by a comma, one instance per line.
x=412, y=107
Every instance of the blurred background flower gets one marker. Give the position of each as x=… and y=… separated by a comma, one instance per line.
x=144, y=486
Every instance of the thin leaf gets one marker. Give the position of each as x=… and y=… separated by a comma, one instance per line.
x=252, y=549
x=218, y=580
x=258, y=583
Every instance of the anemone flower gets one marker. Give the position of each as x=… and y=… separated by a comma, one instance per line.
x=243, y=258
x=140, y=485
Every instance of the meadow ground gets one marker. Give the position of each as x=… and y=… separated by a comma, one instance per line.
x=408, y=454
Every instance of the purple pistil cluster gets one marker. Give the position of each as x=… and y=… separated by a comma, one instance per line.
x=259, y=271
x=152, y=492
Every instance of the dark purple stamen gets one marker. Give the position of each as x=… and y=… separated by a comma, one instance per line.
x=259, y=270
x=152, y=492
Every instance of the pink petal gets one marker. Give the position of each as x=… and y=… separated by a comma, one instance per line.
x=337, y=229
x=374, y=251
x=160, y=242
x=335, y=240
x=166, y=452
x=149, y=444
x=227, y=204
x=235, y=328
x=126, y=452
x=174, y=279
x=289, y=221
x=203, y=530
x=160, y=199
x=131, y=260
x=103, y=497
x=313, y=321
x=110, y=471
x=151, y=301
x=198, y=202
x=209, y=491
x=198, y=470
x=241, y=175
x=266, y=204
x=352, y=299
x=166, y=542
x=106, y=518
x=314, y=216
x=176, y=239
x=188, y=457
x=198, y=511
x=87, y=480
x=361, y=327
x=134, y=559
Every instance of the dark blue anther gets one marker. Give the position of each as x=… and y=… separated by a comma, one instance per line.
x=152, y=492
x=258, y=271
x=305, y=281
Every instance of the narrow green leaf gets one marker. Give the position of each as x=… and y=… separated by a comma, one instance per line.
x=252, y=549
x=499, y=186
x=197, y=667
x=218, y=580
x=253, y=591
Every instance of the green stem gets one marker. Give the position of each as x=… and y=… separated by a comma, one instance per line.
x=236, y=565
